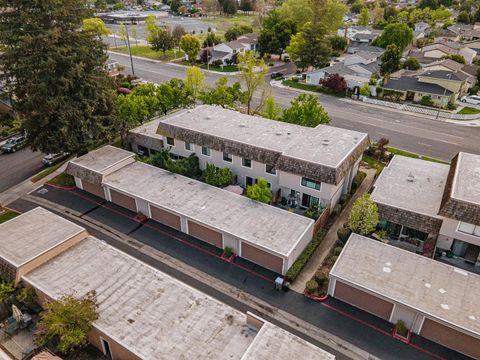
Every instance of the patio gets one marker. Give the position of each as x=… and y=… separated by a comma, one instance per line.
x=460, y=263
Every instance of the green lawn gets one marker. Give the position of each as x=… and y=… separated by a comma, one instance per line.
x=412, y=155
x=469, y=111
x=373, y=163
x=225, y=22
x=301, y=86
x=147, y=52
x=226, y=68
x=7, y=215
x=62, y=180
x=47, y=171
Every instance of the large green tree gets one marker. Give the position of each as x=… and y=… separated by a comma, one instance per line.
x=390, y=60
x=222, y=94
x=363, y=217
x=194, y=79
x=55, y=72
x=260, y=191
x=305, y=110
x=275, y=34
x=162, y=40
x=252, y=75
x=191, y=46
x=397, y=33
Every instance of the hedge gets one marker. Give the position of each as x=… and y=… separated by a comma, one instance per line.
x=302, y=260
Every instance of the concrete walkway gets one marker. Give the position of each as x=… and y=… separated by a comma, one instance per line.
x=331, y=237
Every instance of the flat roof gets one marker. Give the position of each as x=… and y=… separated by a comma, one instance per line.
x=412, y=184
x=325, y=145
x=436, y=289
x=274, y=342
x=149, y=129
x=148, y=312
x=466, y=184
x=103, y=158
x=33, y=233
x=260, y=224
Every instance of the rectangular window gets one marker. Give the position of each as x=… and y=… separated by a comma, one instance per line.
x=188, y=146
x=249, y=181
x=469, y=229
x=170, y=141
x=309, y=201
x=246, y=163
x=227, y=157
x=206, y=151
x=312, y=184
x=269, y=169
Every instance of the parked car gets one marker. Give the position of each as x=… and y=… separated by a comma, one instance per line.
x=13, y=144
x=277, y=75
x=472, y=99
x=52, y=159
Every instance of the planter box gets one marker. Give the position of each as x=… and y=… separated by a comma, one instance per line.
x=406, y=339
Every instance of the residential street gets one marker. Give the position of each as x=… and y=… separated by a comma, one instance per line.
x=18, y=166
x=413, y=133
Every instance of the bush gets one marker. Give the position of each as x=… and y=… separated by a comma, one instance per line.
x=357, y=180
x=311, y=286
x=343, y=234
x=228, y=251
x=321, y=276
x=298, y=265
x=27, y=296
x=337, y=250
x=217, y=177
x=379, y=90
x=401, y=329
x=451, y=106
x=335, y=83
x=331, y=260
x=365, y=90
x=426, y=100
x=6, y=289
x=336, y=210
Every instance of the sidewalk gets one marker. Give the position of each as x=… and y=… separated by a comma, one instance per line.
x=331, y=238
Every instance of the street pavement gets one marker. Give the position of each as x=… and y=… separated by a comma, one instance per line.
x=334, y=317
x=418, y=134
x=18, y=166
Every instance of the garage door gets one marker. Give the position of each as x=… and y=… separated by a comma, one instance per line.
x=262, y=258
x=165, y=217
x=203, y=233
x=451, y=338
x=123, y=200
x=363, y=300
x=93, y=189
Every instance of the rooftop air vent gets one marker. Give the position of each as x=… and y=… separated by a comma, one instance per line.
x=278, y=133
x=325, y=142
x=208, y=117
x=410, y=177
x=243, y=125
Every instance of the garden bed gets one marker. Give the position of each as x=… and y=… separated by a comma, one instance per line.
x=63, y=179
x=7, y=215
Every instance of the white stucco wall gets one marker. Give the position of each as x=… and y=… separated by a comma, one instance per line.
x=448, y=232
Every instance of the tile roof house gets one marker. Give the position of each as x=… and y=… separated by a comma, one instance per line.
x=225, y=52
x=438, y=50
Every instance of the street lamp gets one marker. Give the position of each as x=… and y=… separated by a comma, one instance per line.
x=129, y=49
x=449, y=76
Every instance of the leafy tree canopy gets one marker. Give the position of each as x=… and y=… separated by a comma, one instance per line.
x=305, y=110
x=275, y=34
x=390, y=60
x=260, y=191
x=398, y=34
x=363, y=217
x=191, y=46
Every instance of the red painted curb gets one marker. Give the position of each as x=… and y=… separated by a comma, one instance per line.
x=316, y=298
x=66, y=188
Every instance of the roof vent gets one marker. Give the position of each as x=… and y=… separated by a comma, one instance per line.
x=278, y=133
x=208, y=117
x=325, y=142
x=410, y=177
x=243, y=125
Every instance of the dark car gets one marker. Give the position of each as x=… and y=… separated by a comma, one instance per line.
x=52, y=159
x=277, y=75
x=13, y=144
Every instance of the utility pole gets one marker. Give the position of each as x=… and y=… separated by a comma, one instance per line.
x=129, y=50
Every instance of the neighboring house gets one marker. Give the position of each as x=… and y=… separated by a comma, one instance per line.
x=421, y=30
x=434, y=300
x=355, y=47
x=418, y=199
x=356, y=69
x=225, y=52
x=360, y=34
x=303, y=166
x=464, y=32
x=470, y=71
x=439, y=50
x=143, y=313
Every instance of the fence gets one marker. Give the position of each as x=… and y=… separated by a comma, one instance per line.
x=420, y=109
x=322, y=220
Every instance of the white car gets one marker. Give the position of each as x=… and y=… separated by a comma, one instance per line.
x=472, y=99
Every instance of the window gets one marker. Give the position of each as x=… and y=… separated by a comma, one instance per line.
x=227, y=157
x=309, y=201
x=170, y=141
x=206, y=151
x=247, y=163
x=312, y=184
x=269, y=169
x=143, y=151
x=249, y=181
x=188, y=146
x=469, y=229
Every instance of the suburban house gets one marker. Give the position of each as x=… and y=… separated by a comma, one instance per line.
x=463, y=32
x=303, y=166
x=356, y=69
x=360, y=34
x=421, y=30
x=449, y=65
x=439, y=50
x=264, y=234
x=143, y=313
x=225, y=52
x=434, y=300
x=419, y=199
x=442, y=86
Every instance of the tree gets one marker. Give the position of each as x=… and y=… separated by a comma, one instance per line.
x=100, y=4
x=335, y=82
x=271, y=109
x=234, y=32
x=122, y=33
x=67, y=322
x=118, y=6
x=131, y=112
x=246, y=5
x=175, y=5
x=194, y=81
x=456, y=57
x=338, y=43
x=134, y=32
x=305, y=110
x=397, y=33
x=96, y=26
x=230, y=6
x=151, y=27
x=411, y=64
x=211, y=40
x=61, y=90
x=390, y=60
x=219, y=177
x=260, y=191
x=363, y=217
x=162, y=40
x=191, y=46
x=6, y=289
x=222, y=94
x=275, y=34
x=365, y=90
x=177, y=33
x=364, y=17
x=252, y=74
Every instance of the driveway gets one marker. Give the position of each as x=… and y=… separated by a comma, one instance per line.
x=348, y=323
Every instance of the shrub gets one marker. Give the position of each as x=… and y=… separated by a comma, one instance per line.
x=27, y=296
x=321, y=275
x=337, y=250
x=334, y=82
x=451, y=106
x=426, y=100
x=343, y=234
x=363, y=217
x=365, y=90
x=260, y=191
x=307, y=253
x=336, y=210
x=217, y=177
x=379, y=90
x=331, y=260
x=6, y=289
x=228, y=251
x=311, y=286
x=357, y=180
x=401, y=329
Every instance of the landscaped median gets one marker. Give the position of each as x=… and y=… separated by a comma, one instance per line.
x=296, y=84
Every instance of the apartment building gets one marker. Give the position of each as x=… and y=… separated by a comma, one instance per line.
x=143, y=313
x=303, y=166
x=420, y=199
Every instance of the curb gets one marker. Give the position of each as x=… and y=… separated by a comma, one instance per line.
x=316, y=298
